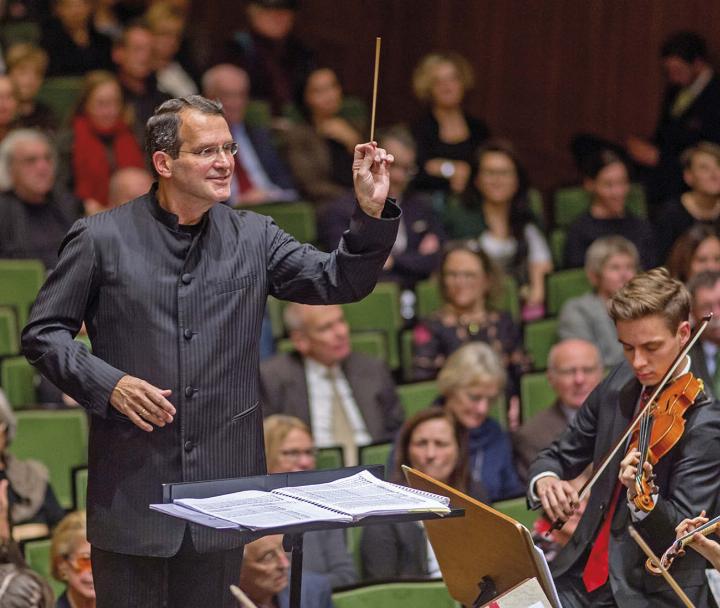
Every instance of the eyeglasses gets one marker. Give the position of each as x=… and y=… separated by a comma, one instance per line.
x=297, y=454
x=212, y=152
x=79, y=563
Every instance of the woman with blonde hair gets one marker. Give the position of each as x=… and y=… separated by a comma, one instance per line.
x=70, y=559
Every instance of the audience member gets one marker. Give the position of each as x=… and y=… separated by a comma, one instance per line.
x=468, y=283
x=70, y=558
x=494, y=209
x=264, y=577
x=71, y=41
x=276, y=61
x=704, y=290
x=574, y=370
x=418, y=246
x=261, y=175
x=346, y=398
x=435, y=443
x=289, y=447
x=127, y=184
x=319, y=150
x=606, y=179
x=133, y=56
x=32, y=506
x=610, y=262
x=709, y=549
x=106, y=18
x=447, y=136
x=99, y=141
x=20, y=587
x=696, y=250
x=34, y=217
x=701, y=172
x=469, y=384
x=690, y=113
x=8, y=106
x=167, y=23
x=26, y=67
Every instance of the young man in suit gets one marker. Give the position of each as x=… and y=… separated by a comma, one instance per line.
x=602, y=565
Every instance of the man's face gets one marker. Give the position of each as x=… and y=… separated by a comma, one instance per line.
x=167, y=38
x=74, y=14
x=650, y=347
x=8, y=101
x=680, y=72
x=403, y=168
x=705, y=301
x=233, y=91
x=134, y=58
x=32, y=169
x=264, y=571
x=703, y=174
x=202, y=179
x=27, y=79
x=574, y=372
x=273, y=23
x=325, y=336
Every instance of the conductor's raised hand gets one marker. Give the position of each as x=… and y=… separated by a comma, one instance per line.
x=143, y=403
x=559, y=498
x=371, y=177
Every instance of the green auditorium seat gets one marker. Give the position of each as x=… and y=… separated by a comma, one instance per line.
x=21, y=280
x=431, y=594
x=330, y=458
x=8, y=332
x=375, y=453
x=536, y=394
x=37, y=556
x=417, y=396
x=17, y=378
x=570, y=202
x=61, y=93
x=539, y=338
x=258, y=113
x=518, y=510
x=297, y=219
x=558, y=237
x=563, y=285
x=79, y=478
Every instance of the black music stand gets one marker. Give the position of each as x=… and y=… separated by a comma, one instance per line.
x=293, y=535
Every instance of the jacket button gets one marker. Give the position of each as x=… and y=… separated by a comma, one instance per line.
x=186, y=278
x=189, y=391
x=189, y=445
x=188, y=333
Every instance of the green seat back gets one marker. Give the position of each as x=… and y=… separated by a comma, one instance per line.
x=371, y=343
x=406, y=354
x=570, y=202
x=431, y=594
x=297, y=219
x=20, y=281
x=416, y=397
x=61, y=93
x=8, y=332
x=330, y=458
x=58, y=439
x=17, y=378
x=375, y=453
x=539, y=338
x=352, y=109
x=258, y=113
x=518, y=510
x=80, y=477
x=353, y=537
x=558, y=237
x=37, y=556
x=537, y=206
x=498, y=411
x=536, y=394
x=563, y=285
x=17, y=32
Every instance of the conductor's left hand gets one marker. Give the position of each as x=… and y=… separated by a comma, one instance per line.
x=371, y=177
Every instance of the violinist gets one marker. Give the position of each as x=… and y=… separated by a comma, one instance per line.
x=709, y=549
x=601, y=565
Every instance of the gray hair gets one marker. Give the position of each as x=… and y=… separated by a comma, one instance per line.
x=162, y=132
x=471, y=364
x=212, y=77
x=7, y=150
x=293, y=317
x=604, y=248
x=555, y=349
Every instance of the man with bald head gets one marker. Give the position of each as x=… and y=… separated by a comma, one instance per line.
x=346, y=398
x=574, y=370
x=261, y=176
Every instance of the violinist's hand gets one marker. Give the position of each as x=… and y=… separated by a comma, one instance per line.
x=628, y=471
x=371, y=177
x=559, y=499
x=709, y=549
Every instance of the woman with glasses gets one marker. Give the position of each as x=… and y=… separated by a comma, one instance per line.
x=289, y=447
x=70, y=558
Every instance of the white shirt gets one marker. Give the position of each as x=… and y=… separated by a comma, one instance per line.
x=320, y=395
x=502, y=251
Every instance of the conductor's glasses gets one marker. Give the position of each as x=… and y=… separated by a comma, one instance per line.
x=212, y=152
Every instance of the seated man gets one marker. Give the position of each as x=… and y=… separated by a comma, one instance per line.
x=261, y=176
x=574, y=370
x=264, y=577
x=704, y=290
x=346, y=398
x=128, y=183
x=34, y=217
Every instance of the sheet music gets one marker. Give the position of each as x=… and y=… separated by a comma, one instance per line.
x=545, y=569
x=193, y=516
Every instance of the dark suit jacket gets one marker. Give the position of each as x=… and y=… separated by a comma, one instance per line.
x=687, y=478
x=394, y=551
x=700, y=365
x=269, y=157
x=315, y=593
x=283, y=390
x=535, y=434
x=182, y=313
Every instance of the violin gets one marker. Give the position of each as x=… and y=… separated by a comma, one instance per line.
x=660, y=428
x=677, y=549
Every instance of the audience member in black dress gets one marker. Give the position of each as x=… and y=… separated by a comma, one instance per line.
x=701, y=204
x=26, y=66
x=417, y=250
x=71, y=41
x=695, y=250
x=606, y=178
x=447, y=136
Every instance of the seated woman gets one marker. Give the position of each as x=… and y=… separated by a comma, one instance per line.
x=320, y=150
x=20, y=587
x=469, y=384
x=447, y=136
x=289, y=447
x=696, y=250
x=99, y=142
x=494, y=209
x=33, y=507
x=434, y=442
x=468, y=280
x=70, y=559
x=607, y=180
x=610, y=262
x=26, y=66
x=700, y=204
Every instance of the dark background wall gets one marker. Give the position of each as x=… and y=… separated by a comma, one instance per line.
x=545, y=68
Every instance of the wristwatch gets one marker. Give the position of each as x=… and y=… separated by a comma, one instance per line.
x=447, y=169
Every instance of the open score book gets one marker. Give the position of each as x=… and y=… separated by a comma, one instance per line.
x=344, y=500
